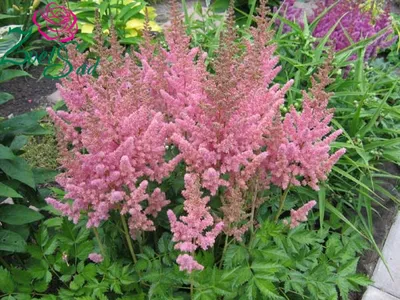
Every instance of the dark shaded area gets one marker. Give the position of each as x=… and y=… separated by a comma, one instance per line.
x=29, y=93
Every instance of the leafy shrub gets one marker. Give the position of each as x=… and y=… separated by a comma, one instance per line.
x=127, y=17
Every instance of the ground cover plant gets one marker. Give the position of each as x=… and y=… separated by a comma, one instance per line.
x=220, y=177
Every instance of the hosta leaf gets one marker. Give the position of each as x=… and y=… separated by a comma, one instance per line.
x=18, y=214
x=11, y=241
x=6, y=153
x=6, y=191
x=18, y=169
x=5, y=97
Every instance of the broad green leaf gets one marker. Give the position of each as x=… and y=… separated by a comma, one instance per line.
x=18, y=142
x=9, y=74
x=11, y=241
x=6, y=153
x=18, y=169
x=6, y=191
x=27, y=124
x=16, y=214
x=5, y=97
x=8, y=40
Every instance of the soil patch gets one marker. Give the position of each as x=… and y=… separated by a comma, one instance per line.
x=29, y=93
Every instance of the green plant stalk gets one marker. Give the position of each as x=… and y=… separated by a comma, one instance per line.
x=281, y=203
x=251, y=13
x=128, y=239
x=96, y=233
x=191, y=286
x=253, y=208
x=223, y=251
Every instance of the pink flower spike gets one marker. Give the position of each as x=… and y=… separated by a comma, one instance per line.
x=95, y=257
x=300, y=215
x=187, y=262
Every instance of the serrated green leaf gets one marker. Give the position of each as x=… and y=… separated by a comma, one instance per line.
x=6, y=283
x=267, y=288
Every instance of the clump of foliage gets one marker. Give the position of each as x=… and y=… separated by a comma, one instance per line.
x=127, y=17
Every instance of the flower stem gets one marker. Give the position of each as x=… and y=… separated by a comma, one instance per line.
x=128, y=239
x=253, y=207
x=96, y=233
x=281, y=203
x=223, y=251
x=191, y=286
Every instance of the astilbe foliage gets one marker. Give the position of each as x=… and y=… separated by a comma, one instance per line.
x=226, y=125
x=355, y=24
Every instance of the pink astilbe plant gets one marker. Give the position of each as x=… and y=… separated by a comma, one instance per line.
x=226, y=125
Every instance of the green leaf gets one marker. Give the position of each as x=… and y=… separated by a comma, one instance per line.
x=3, y=16
x=9, y=74
x=5, y=97
x=235, y=255
x=6, y=153
x=89, y=272
x=18, y=169
x=359, y=279
x=267, y=288
x=11, y=241
x=18, y=142
x=18, y=214
x=348, y=268
x=42, y=175
x=25, y=124
x=6, y=283
x=6, y=191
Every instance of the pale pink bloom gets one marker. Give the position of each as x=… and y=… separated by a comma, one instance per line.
x=187, y=263
x=95, y=257
x=300, y=215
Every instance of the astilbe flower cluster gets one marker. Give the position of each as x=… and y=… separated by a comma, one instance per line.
x=226, y=125
x=356, y=24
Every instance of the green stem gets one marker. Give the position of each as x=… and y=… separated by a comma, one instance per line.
x=223, y=251
x=281, y=203
x=4, y=263
x=251, y=13
x=128, y=239
x=191, y=286
x=96, y=233
x=253, y=208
